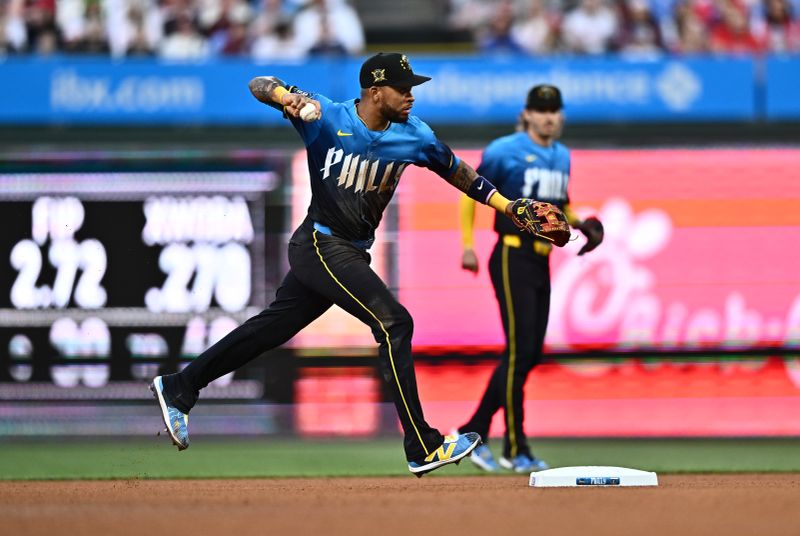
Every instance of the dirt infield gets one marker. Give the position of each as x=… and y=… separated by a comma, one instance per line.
x=681, y=505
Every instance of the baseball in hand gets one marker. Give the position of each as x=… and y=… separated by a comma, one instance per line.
x=309, y=113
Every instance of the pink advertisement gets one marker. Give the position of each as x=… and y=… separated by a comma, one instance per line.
x=701, y=251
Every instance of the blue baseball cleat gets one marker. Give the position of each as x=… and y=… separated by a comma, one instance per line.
x=482, y=457
x=176, y=421
x=454, y=448
x=524, y=464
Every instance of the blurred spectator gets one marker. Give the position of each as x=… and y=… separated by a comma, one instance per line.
x=686, y=32
x=590, y=28
x=13, y=35
x=277, y=44
x=213, y=15
x=171, y=10
x=536, y=32
x=135, y=27
x=293, y=29
x=140, y=41
x=705, y=10
x=343, y=22
x=639, y=33
x=497, y=37
x=91, y=37
x=226, y=24
x=692, y=34
x=185, y=42
x=778, y=29
x=71, y=20
x=236, y=41
x=471, y=15
x=269, y=14
x=230, y=34
x=327, y=44
x=44, y=37
x=732, y=34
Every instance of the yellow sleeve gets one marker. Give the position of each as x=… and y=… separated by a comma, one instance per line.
x=499, y=202
x=572, y=218
x=467, y=209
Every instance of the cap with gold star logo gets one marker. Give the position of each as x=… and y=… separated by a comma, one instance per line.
x=544, y=97
x=389, y=69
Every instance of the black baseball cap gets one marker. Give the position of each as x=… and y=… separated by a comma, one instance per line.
x=389, y=69
x=544, y=97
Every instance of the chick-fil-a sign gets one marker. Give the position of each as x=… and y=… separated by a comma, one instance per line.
x=700, y=251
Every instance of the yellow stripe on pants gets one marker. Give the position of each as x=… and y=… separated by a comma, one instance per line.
x=512, y=355
x=388, y=341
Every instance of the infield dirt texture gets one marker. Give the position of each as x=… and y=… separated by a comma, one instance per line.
x=732, y=504
x=239, y=486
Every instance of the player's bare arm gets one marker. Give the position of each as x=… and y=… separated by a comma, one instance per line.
x=263, y=88
x=271, y=90
x=541, y=219
x=466, y=178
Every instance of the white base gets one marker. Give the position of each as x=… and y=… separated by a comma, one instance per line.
x=592, y=476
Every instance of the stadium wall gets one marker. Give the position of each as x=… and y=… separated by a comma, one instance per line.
x=696, y=251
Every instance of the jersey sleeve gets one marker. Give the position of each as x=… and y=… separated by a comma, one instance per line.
x=568, y=171
x=309, y=131
x=435, y=155
x=491, y=165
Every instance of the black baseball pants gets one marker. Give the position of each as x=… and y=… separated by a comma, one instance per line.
x=324, y=270
x=521, y=280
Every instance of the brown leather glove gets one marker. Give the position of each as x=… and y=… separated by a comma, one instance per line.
x=541, y=219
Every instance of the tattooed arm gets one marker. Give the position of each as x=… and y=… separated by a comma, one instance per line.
x=439, y=158
x=263, y=88
x=273, y=92
x=468, y=181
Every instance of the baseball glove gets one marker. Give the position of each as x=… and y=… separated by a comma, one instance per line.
x=541, y=219
x=593, y=229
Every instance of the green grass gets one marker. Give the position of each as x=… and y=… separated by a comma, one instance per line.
x=237, y=458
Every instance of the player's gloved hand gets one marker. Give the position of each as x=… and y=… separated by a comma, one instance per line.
x=593, y=229
x=541, y=219
x=469, y=261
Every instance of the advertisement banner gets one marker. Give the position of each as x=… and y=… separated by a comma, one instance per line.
x=629, y=398
x=140, y=92
x=697, y=254
x=783, y=79
x=476, y=90
x=463, y=90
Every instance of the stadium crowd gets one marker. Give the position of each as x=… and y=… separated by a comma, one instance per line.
x=295, y=29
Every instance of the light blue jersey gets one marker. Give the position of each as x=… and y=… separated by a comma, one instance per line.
x=354, y=170
x=519, y=167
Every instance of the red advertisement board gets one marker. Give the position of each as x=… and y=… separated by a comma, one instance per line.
x=632, y=398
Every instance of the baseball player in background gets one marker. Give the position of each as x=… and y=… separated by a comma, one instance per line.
x=528, y=163
x=357, y=151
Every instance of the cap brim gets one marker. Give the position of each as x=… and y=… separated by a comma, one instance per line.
x=413, y=80
x=418, y=79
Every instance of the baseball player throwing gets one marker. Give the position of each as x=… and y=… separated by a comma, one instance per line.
x=357, y=151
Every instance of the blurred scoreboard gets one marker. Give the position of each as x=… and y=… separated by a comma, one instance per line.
x=110, y=276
